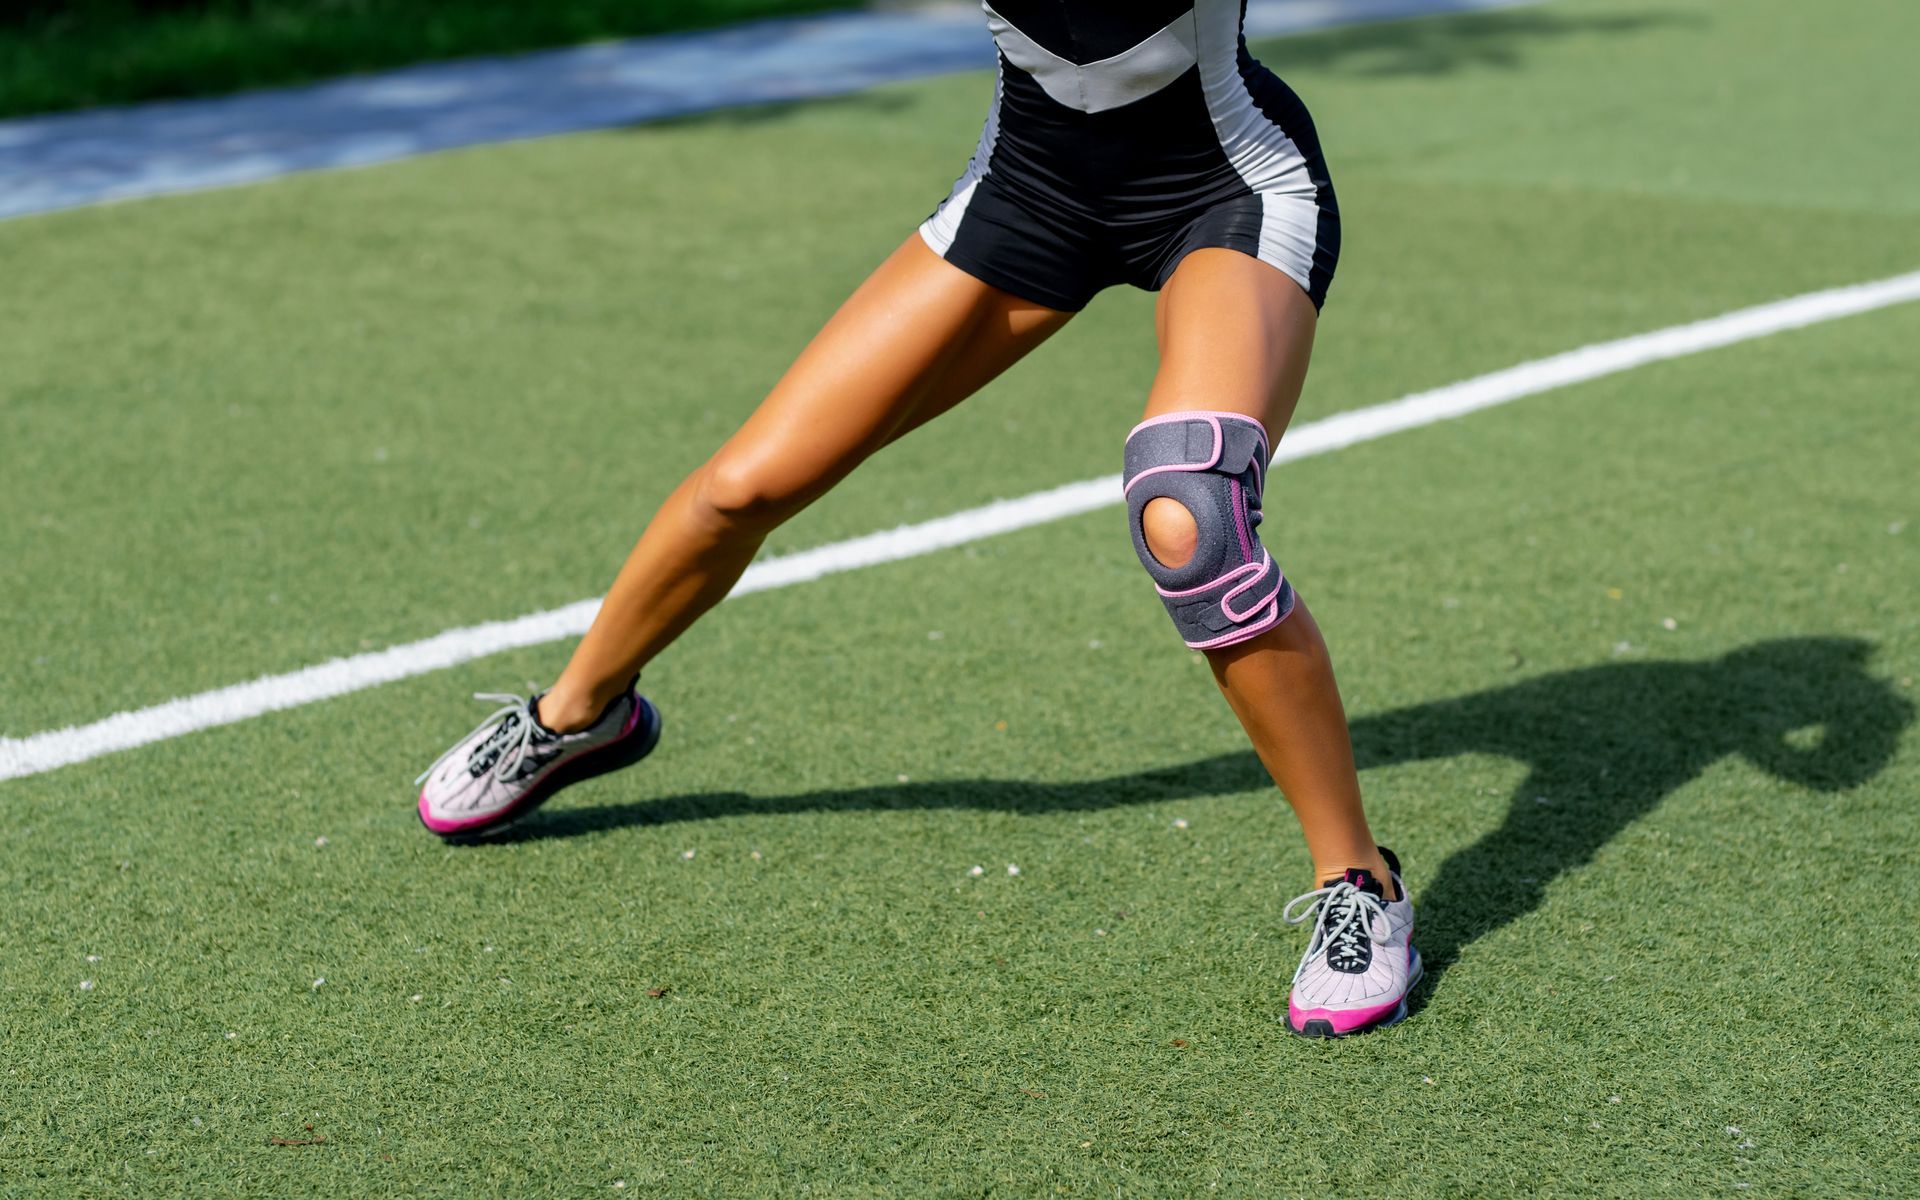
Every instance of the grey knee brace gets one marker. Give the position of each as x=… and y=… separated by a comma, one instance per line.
x=1213, y=464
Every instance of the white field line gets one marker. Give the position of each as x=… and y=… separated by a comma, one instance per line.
x=39, y=752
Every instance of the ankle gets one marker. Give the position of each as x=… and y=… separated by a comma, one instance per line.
x=1374, y=864
x=569, y=710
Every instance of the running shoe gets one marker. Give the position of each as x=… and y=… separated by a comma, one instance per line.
x=1360, y=963
x=510, y=763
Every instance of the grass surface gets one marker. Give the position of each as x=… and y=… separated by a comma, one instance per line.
x=1663, y=871
x=71, y=55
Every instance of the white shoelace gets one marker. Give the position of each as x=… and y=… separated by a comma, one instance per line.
x=1345, y=915
x=513, y=750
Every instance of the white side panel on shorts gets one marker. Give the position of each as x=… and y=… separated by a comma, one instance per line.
x=1289, y=231
x=939, y=230
x=1133, y=74
x=1258, y=149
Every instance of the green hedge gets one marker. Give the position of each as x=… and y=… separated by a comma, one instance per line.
x=72, y=54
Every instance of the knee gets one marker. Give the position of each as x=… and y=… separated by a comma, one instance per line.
x=1192, y=485
x=1171, y=533
x=744, y=492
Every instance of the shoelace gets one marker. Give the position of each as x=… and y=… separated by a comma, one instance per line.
x=509, y=741
x=1346, y=914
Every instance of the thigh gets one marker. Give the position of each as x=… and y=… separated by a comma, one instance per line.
x=1235, y=335
x=916, y=338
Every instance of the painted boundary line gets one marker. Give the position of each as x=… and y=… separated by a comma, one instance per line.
x=41, y=752
x=68, y=160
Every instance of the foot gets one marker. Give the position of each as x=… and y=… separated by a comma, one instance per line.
x=511, y=763
x=1360, y=963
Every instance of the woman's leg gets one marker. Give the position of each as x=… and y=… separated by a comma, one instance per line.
x=1235, y=336
x=916, y=338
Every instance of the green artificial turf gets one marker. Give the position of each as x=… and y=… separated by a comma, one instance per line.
x=1631, y=670
x=60, y=54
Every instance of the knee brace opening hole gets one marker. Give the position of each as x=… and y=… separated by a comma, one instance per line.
x=1171, y=532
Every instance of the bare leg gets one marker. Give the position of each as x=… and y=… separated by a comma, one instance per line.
x=916, y=338
x=1235, y=336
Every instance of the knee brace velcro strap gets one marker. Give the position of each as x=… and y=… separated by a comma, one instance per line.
x=1213, y=464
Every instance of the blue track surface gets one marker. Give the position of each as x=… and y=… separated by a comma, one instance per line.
x=72, y=159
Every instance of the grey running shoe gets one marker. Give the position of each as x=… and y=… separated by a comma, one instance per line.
x=1360, y=962
x=511, y=763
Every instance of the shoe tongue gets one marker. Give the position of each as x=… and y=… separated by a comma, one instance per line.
x=540, y=732
x=1363, y=880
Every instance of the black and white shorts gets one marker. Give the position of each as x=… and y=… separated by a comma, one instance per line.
x=1124, y=136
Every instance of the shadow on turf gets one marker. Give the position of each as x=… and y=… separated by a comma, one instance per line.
x=1496, y=39
x=1605, y=743
x=740, y=116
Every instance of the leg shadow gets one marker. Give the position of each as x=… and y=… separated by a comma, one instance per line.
x=1221, y=775
x=1604, y=744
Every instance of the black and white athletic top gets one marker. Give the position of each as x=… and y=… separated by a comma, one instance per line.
x=1124, y=134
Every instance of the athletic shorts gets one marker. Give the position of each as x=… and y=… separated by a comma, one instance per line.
x=1123, y=137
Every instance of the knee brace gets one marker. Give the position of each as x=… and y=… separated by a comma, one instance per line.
x=1213, y=464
